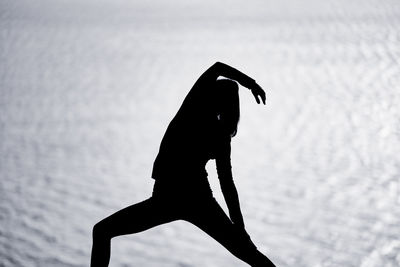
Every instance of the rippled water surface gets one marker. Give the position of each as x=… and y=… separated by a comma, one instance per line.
x=87, y=89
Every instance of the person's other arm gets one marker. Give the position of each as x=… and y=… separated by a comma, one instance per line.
x=228, y=188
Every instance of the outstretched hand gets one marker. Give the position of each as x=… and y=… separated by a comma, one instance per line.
x=258, y=93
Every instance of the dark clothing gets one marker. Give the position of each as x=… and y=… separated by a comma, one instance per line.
x=195, y=135
x=181, y=190
x=204, y=212
x=189, y=188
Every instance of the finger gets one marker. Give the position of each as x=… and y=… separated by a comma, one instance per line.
x=256, y=97
x=262, y=94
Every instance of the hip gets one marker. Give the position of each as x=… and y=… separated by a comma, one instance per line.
x=182, y=188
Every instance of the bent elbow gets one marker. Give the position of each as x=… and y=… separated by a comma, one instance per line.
x=217, y=65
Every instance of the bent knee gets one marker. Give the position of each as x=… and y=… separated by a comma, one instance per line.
x=100, y=231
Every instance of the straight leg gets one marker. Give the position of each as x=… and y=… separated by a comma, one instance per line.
x=130, y=220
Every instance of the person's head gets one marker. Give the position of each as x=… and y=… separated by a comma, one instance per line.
x=227, y=104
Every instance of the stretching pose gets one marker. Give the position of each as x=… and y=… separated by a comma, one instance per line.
x=201, y=130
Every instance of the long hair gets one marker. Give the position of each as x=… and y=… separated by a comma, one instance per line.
x=227, y=105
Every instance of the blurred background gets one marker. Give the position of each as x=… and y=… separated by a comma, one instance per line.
x=87, y=89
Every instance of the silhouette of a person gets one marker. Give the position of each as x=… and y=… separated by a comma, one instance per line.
x=201, y=130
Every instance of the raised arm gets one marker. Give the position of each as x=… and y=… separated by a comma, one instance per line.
x=221, y=69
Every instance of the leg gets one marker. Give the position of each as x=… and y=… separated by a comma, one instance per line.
x=212, y=219
x=132, y=219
